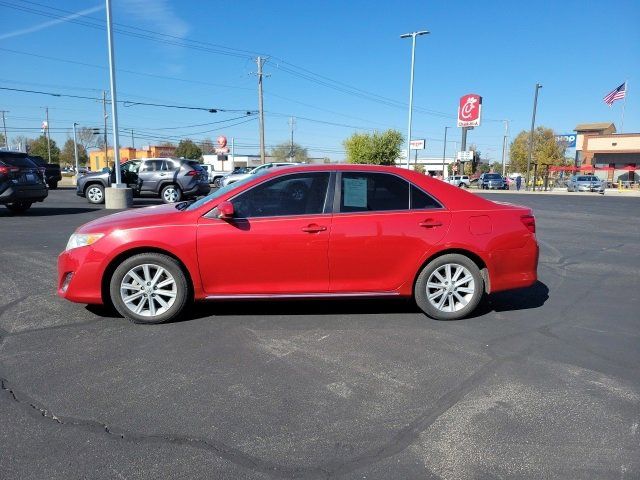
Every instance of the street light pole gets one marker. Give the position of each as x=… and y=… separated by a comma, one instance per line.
x=114, y=103
x=504, y=147
x=444, y=154
x=533, y=123
x=413, y=36
x=75, y=149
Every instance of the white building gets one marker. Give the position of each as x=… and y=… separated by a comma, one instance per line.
x=432, y=165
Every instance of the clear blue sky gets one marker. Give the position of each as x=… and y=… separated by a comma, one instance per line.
x=578, y=50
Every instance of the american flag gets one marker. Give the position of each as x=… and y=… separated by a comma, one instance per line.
x=616, y=94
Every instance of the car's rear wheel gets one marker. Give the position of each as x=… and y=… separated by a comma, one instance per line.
x=18, y=207
x=171, y=194
x=449, y=287
x=149, y=288
x=95, y=193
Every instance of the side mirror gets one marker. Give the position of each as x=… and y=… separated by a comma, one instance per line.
x=225, y=210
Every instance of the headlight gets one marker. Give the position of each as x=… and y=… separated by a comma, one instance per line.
x=83, y=239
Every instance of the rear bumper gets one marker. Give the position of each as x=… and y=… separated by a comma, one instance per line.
x=514, y=268
x=79, y=276
x=198, y=189
x=25, y=193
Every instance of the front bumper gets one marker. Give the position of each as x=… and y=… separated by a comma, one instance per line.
x=586, y=188
x=80, y=272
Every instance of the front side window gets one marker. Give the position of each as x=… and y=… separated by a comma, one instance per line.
x=365, y=192
x=131, y=167
x=297, y=194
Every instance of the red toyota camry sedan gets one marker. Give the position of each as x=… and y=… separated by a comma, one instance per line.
x=305, y=232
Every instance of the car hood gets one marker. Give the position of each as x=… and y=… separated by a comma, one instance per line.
x=135, y=218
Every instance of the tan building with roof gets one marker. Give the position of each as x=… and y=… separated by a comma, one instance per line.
x=598, y=145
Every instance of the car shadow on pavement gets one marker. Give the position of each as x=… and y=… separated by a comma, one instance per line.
x=512, y=300
x=528, y=298
x=48, y=211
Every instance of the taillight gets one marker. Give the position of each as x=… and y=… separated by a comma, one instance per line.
x=529, y=221
x=5, y=171
x=192, y=173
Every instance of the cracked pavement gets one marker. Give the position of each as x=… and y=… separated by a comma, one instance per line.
x=540, y=383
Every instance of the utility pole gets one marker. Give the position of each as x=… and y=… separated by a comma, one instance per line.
x=4, y=126
x=133, y=144
x=413, y=36
x=504, y=147
x=48, y=135
x=533, y=124
x=75, y=149
x=292, y=122
x=104, y=114
x=444, y=154
x=260, y=62
x=233, y=153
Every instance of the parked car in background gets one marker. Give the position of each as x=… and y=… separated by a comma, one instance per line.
x=214, y=176
x=170, y=179
x=585, y=183
x=461, y=181
x=52, y=172
x=22, y=182
x=229, y=179
x=328, y=231
x=491, y=181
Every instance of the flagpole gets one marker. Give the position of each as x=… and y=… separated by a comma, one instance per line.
x=624, y=103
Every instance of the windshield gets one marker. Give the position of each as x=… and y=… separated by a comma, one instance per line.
x=588, y=179
x=493, y=176
x=217, y=194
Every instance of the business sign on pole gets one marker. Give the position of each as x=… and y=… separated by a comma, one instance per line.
x=417, y=144
x=469, y=110
x=465, y=156
x=567, y=139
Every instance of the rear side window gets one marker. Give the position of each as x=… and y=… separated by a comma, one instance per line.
x=421, y=200
x=365, y=192
x=17, y=160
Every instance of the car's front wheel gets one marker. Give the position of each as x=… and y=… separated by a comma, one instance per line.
x=149, y=288
x=449, y=287
x=171, y=194
x=95, y=193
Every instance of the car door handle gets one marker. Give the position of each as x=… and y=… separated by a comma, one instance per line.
x=430, y=223
x=313, y=228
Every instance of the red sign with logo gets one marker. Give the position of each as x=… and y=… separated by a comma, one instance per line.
x=469, y=110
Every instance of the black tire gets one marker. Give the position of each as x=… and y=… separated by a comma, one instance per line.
x=420, y=289
x=18, y=207
x=217, y=182
x=182, y=289
x=53, y=185
x=94, y=193
x=171, y=193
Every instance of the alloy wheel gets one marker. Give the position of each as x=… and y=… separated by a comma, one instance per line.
x=148, y=290
x=450, y=287
x=95, y=194
x=170, y=195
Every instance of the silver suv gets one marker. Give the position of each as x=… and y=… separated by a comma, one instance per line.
x=461, y=181
x=168, y=178
x=585, y=183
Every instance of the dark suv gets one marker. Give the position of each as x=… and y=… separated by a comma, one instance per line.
x=21, y=182
x=52, y=172
x=167, y=178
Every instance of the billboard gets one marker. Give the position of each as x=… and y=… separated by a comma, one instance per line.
x=469, y=110
x=567, y=139
x=417, y=144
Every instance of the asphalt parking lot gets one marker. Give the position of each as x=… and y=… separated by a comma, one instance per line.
x=541, y=383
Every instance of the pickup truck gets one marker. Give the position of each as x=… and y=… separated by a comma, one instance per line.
x=52, y=172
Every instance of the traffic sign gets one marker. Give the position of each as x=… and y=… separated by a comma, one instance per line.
x=465, y=156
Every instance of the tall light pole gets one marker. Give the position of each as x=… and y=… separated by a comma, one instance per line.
x=4, y=126
x=114, y=103
x=504, y=147
x=75, y=149
x=444, y=154
x=533, y=123
x=413, y=36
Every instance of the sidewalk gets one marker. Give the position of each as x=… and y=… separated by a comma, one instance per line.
x=609, y=192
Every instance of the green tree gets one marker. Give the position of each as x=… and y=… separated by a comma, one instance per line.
x=188, y=149
x=284, y=151
x=376, y=148
x=546, y=151
x=2, y=140
x=67, y=155
x=38, y=147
